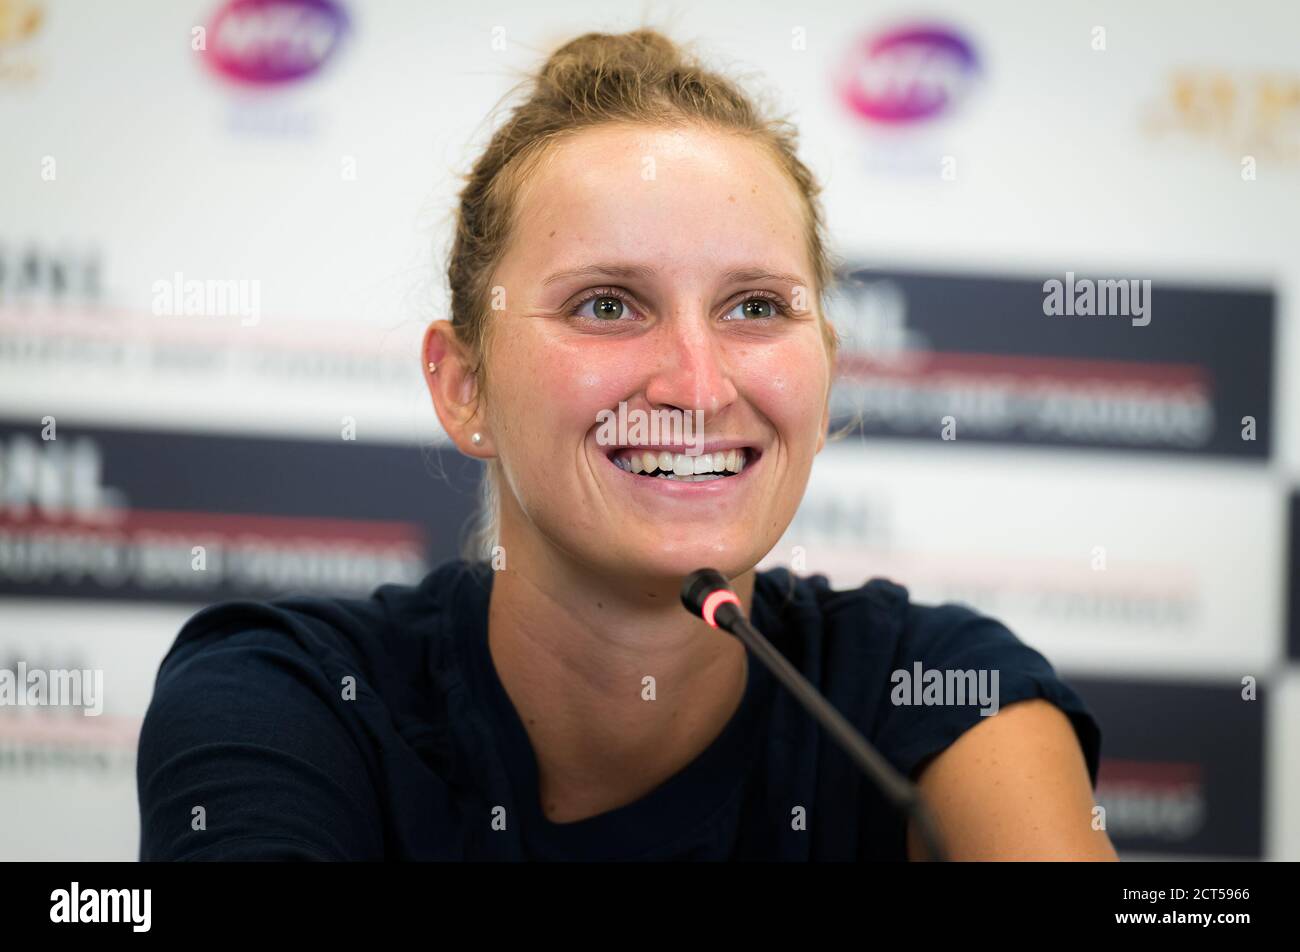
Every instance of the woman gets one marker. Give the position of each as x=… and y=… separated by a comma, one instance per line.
x=635, y=239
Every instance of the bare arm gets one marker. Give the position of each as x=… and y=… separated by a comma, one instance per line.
x=1013, y=787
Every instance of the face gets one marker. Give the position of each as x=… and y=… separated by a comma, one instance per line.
x=660, y=323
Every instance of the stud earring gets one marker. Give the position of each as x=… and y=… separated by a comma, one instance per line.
x=476, y=439
x=433, y=368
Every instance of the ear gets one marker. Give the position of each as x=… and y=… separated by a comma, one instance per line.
x=454, y=388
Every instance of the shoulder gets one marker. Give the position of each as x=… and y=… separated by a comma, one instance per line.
x=300, y=653
x=917, y=676
x=336, y=633
x=878, y=620
x=297, y=697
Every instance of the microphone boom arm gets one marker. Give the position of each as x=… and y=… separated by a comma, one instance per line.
x=705, y=594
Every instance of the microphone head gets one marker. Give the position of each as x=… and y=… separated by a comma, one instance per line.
x=698, y=586
x=704, y=591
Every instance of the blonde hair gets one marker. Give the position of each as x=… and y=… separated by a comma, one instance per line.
x=640, y=77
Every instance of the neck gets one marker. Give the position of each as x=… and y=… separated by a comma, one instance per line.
x=574, y=651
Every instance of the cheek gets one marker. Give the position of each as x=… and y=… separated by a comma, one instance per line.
x=542, y=389
x=788, y=386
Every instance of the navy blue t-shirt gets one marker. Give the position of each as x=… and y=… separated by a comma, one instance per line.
x=377, y=728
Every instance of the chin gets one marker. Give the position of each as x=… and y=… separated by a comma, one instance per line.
x=675, y=562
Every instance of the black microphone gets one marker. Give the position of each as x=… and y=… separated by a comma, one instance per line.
x=706, y=594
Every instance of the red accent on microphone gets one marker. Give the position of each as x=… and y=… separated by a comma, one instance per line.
x=715, y=599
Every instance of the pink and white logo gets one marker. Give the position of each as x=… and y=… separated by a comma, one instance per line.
x=267, y=42
x=908, y=74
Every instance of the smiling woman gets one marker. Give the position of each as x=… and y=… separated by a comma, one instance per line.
x=636, y=239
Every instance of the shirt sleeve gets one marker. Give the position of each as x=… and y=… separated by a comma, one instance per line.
x=247, y=752
x=955, y=638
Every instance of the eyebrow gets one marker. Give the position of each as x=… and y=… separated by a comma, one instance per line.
x=643, y=271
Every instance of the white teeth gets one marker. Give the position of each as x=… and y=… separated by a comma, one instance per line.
x=680, y=466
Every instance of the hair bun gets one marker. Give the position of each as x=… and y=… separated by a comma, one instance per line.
x=634, y=51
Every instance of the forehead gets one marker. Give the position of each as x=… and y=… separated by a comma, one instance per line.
x=671, y=197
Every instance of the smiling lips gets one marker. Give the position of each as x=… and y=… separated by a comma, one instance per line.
x=663, y=464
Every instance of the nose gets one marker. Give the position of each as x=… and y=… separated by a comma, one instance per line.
x=691, y=371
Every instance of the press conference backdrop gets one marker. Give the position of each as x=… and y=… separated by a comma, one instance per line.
x=219, y=238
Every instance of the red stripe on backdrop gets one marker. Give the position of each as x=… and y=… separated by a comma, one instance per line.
x=929, y=363
x=221, y=523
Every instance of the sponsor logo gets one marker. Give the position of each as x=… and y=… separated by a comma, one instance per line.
x=1152, y=801
x=1246, y=114
x=191, y=517
x=19, y=21
x=270, y=42
x=34, y=275
x=908, y=74
x=1185, y=770
x=949, y=356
